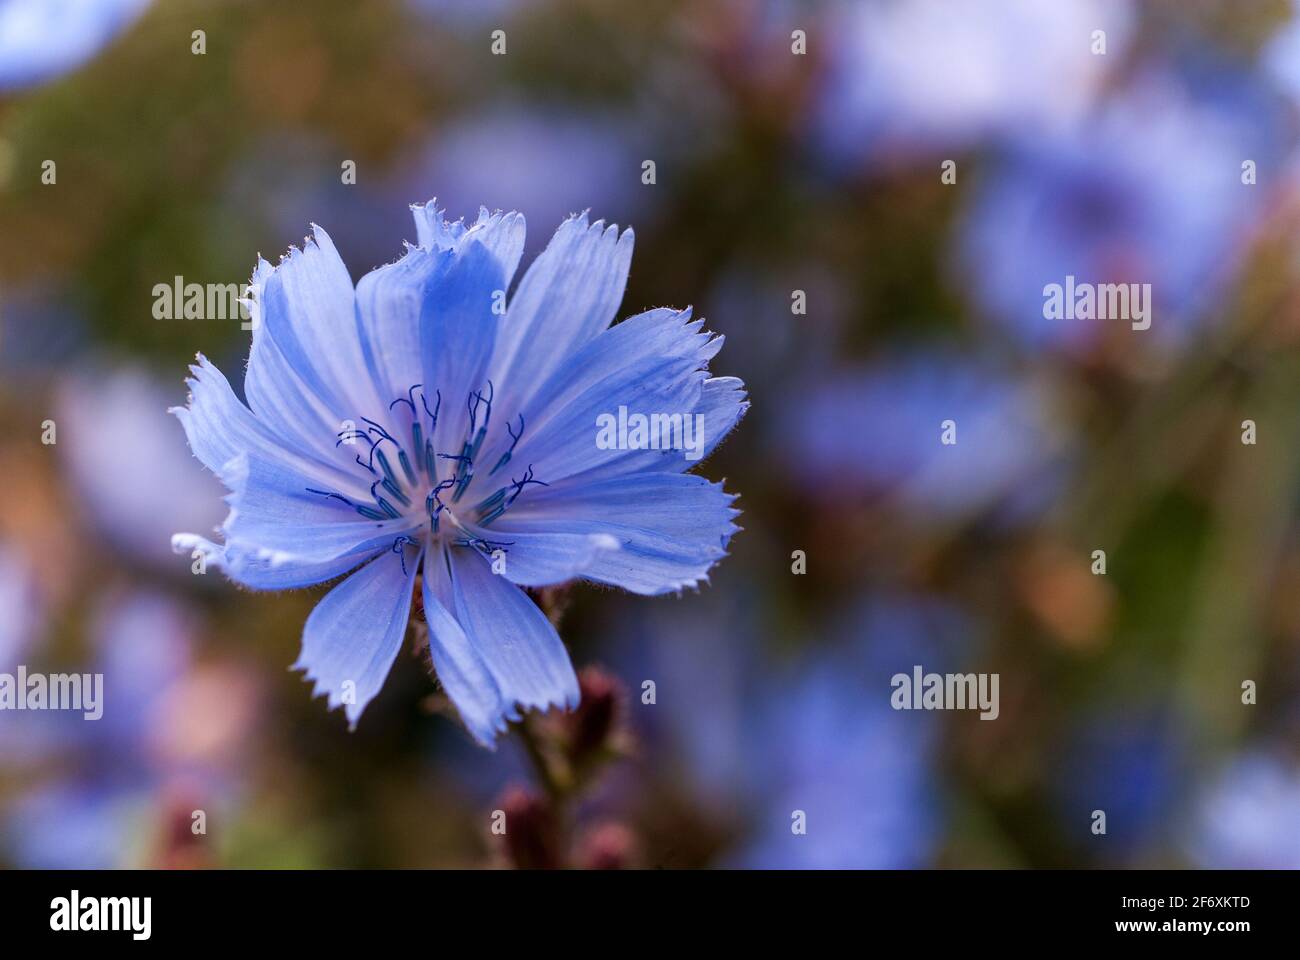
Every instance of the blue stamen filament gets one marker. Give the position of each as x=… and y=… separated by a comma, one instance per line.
x=387, y=468
x=405, y=461
x=399, y=548
x=514, y=442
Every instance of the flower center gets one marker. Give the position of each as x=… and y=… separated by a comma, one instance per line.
x=427, y=484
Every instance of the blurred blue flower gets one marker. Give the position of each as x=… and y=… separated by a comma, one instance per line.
x=1150, y=191
x=466, y=13
x=1249, y=818
x=43, y=39
x=1130, y=763
x=25, y=607
x=137, y=502
x=164, y=730
x=824, y=739
x=879, y=430
x=931, y=74
x=756, y=299
x=401, y=421
x=758, y=734
x=547, y=161
x=1281, y=56
x=21, y=608
x=41, y=330
x=288, y=176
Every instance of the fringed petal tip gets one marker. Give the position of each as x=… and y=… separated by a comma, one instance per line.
x=183, y=543
x=333, y=698
x=487, y=737
x=435, y=232
x=581, y=221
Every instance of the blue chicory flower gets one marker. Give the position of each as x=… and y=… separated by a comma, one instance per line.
x=928, y=75
x=165, y=730
x=43, y=39
x=1281, y=55
x=575, y=160
x=1150, y=192
x=877, y=431
x=22, y=612
x=1248, y=818
x=825, y=741
x=755, y=732
x=1129, y=761
x=418, y=420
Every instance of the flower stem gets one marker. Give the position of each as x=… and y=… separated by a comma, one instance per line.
x=551, y=782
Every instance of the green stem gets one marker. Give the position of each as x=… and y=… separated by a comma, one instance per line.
x=554, y=785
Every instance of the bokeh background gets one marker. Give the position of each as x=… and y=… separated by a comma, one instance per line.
x=1169, y=159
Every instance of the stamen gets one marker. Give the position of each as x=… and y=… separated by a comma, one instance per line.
x=398, y=544
x=336, y=496
x=409, y=399
x=462, y=485
x=367, y=512
x=514, y=442
x=385, y=466
x=433, y=499
x=482, y=545
x=433, y=415
x=396, y=492
x=405, y=461
x=383, y=504
x=353, y=435
x=520, y=484
x=392, y=495
x=376, y=428
x=487, y=401
x=489, y=502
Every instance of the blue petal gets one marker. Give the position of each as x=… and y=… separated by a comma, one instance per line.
x=566, y=445
x=568, y=295
x=458, y=664
x=279, y=534
x=391, y=298
x=290, y=403
x=493, y=649
x=42, y=39
x=308, y=307
x=539, y=560
x=220, y=428
x=265, y=570
x=671, y=528
x=355, y=632
x=502, y=234
x=389, y=301
x=272, y=508
x=650, y=338
x=457, y=331
x=723, y=403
